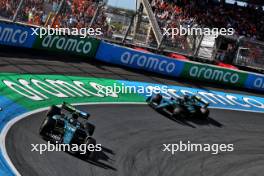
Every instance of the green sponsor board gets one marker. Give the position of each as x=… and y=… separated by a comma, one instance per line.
x=34, y=91
x=214, y=74
x=73, y=45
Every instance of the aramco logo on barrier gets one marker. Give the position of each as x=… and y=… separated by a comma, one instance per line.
x=14, y=36
x=149, y=63
x=259, y=83
x=67, y=44
x=214, y=74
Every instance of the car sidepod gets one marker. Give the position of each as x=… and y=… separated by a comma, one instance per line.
x=69, y=131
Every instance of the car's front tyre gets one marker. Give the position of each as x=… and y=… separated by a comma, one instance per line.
x=53, y=110
x=205, y=112
x=157, y=99
x=46, y=126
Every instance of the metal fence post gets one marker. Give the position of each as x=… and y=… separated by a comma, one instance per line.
x=58, y=11
x=17, y=10
x=99, y=6
x=129, y=28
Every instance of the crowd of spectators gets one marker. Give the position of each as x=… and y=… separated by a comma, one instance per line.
x=31, y=11
x=79, y=14
x=76, y=13
x=73, y=14
x=247, y=21
x=7, y=8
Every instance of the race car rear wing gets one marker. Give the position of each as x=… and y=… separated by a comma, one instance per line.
x=72, y=109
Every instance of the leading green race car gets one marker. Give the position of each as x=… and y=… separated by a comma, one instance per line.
x=65, y=128
x=186, y=106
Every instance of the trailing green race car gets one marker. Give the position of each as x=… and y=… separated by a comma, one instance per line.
x=66, y=128
x=186, y=106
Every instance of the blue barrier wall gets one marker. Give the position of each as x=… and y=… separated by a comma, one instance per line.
x=255, y=82
x=119, y=55
x=16, y=35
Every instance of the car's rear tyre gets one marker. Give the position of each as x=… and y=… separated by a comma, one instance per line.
x=157, y=99
x=53, y=110
x=91, y=155
x=47, y=125
x=178, y=112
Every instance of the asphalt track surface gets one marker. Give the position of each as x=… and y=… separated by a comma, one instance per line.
x=132, y=135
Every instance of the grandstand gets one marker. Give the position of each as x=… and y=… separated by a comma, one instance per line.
x=144, y=26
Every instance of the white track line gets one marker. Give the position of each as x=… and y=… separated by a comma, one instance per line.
x=20, y=117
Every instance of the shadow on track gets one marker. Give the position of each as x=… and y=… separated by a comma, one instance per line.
x=189, y=121
x=99, y=159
